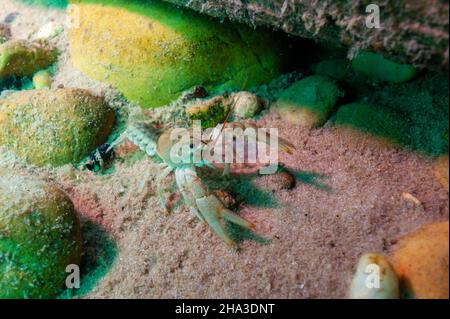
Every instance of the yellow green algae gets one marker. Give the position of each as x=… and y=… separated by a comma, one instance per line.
x=54, y=127
x=152, y=52
x=210, y=113
x=39, y=237
x=308, y=102
x=379, y=68
x=22, y=58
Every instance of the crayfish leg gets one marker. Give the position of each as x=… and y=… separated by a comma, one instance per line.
x=215, y=213
x=211, y=209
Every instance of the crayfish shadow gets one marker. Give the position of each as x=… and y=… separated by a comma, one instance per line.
x=239, y=234
x=99, y=254
x=313, y=179
x=241, y=187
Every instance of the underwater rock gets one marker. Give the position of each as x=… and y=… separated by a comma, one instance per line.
x=152, y=52
x=338, y=69
x=280, y=181
x=378, y=68
x=49, y=31
x=54, y=127
x=210, y=112
x=5, y=33
x=441, y=170
x=386, y=125
x=308, y=102
x=42, y=80
x=374, y=278
x=414, y=32
x=421, y=261
x=246, y=104
x=23, y=58
x=39, y=237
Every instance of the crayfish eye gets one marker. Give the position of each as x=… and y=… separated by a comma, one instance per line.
x=191, y=146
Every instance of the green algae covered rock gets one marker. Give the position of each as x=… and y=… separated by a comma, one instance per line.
x=23, y=58
x=54, y=127
x=378, y=68
x=152, y=51
x=381, y=122
x=335, y=68
x=39, y=237
x=308, y=102
x=210, y=112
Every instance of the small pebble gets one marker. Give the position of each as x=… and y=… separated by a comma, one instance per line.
x=374, y=278
x=246, y=104
x=308, y=102
x=279, y=181
x=49, y=31
x=23, y=58
x=42, y=80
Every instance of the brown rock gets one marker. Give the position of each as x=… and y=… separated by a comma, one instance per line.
x=280, y=181
x=421, y=261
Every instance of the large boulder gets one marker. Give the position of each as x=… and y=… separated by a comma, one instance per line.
x=54, y=127
x=39, y=237
x=411, y=32
x=152, y=52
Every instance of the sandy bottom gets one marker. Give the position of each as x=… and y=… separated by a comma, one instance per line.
x=348, y=200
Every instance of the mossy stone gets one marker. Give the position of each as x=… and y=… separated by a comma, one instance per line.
x=378, y=68
x=308, y=102
x=377, y=121
x=39, y=237
x=54, y=127
x=338, y=69
x=152, y=51
x=23, y=58
x=210, y=112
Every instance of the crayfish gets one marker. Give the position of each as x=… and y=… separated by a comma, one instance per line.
x=179, y=156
